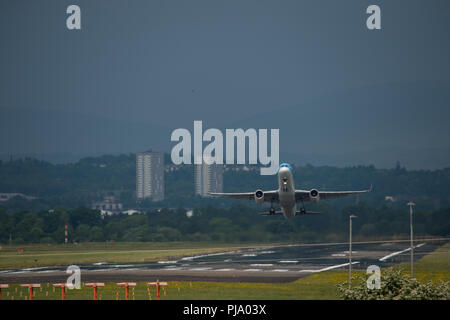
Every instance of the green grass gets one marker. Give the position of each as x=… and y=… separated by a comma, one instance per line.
x=434, y=266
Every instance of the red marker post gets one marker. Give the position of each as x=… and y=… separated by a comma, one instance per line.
x=157, y=284
x=95, y=285
x=63, y=289
x=127, y=290
x=30, y=287
x=3, y=286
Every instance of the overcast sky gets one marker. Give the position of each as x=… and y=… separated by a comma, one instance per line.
x=172, y=62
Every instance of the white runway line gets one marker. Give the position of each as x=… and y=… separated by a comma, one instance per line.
x=399, y=252
x=288, y=261
x=253, y=270
x=167, y=262
x=262, y=265
x=279, y=270
x=100, y=270
x=329, y=268
x=122, y=266
x=207, y=255
x=17, y=272
x=173, y=268
x=6, y=271
x=230, y=269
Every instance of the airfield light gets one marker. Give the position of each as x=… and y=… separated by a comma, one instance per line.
x=63, y=289
x=411, y=204
x=127, y=285
x=350, y=253
x=3, y=286
x=30, y=287
x=95, y=285
x=157, y=284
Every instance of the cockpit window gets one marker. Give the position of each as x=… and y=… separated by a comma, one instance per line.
x=285, y=165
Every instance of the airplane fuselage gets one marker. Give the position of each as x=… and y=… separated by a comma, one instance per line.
x=286, y=192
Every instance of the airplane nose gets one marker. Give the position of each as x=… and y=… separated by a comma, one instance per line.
x=283, y=169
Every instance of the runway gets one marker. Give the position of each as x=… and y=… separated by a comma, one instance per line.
x=262, y=264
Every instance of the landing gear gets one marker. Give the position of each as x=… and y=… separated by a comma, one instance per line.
x=302, y=209
x=271, y=210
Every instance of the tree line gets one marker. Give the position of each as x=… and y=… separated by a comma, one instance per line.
x=78, y=184
x=234, y=224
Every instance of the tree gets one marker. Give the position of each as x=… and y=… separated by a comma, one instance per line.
x=82, y=233
x=96, y=234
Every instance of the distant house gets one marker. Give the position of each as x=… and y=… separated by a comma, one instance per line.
x=108, y=205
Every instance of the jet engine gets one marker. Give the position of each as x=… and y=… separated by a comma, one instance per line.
x=259, y=196
x=314, y=195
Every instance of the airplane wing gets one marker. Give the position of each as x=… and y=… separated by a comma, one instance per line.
x=304, y=195
x=269, y=196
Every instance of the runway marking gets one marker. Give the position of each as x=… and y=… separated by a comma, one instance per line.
x=253, y=270
x=34, y=269
x=122, y=266
x=167, y=262
x=97, y=270
x=230, y=269
x=262, y=265
x=399, y=252
x=6, y=271
x=207, y=255
x=329, y=268
x=288, y=261
x=279, y=270
x=173, y=268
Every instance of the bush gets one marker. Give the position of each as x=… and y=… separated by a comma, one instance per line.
x=395, y=286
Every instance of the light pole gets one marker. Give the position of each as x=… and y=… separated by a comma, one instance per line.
x=411, y=204
x=350, y=254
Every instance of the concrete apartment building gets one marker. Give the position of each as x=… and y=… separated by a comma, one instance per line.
x=150, y=175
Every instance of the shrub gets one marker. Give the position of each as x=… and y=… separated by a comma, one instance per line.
x=395, y=286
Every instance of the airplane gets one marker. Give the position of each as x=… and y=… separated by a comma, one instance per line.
x=287, y=196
